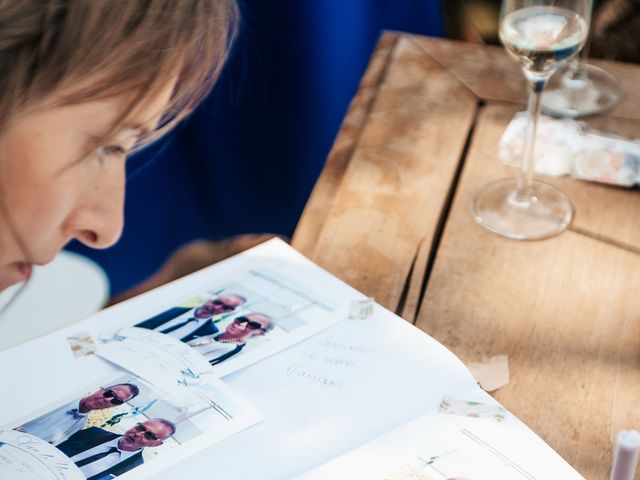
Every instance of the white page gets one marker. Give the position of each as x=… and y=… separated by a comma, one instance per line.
x=439, y=446
x=158, y=358
x=29, y=458
x=330, y=394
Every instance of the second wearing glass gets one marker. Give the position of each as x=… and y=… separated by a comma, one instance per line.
x=148, y=434
x=113, y=396
x=541, y=35
x=224, y=306
x=249, y=323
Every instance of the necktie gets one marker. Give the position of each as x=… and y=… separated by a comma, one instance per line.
x=179, y=325
x=75, y=413
x=97, y=456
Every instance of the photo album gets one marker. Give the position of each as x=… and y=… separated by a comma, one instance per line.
x=263, y=366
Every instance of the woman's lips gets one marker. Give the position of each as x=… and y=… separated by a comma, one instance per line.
x=13, y=273
x=23, y=269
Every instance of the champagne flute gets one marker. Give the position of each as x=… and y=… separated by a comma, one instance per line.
x=540, y=35
x=581, y=89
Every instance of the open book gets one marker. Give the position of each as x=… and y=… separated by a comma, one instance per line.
x=262, y=366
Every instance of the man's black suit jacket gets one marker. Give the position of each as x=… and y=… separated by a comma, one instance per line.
x=91, y=437
x=207, y=328
x=162, y=318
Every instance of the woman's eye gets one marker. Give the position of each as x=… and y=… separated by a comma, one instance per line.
x=105, y=151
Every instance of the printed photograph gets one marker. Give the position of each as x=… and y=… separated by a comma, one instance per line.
x=128, y=422
x=260, y=308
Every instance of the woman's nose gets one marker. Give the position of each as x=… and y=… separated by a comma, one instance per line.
x=99, y=217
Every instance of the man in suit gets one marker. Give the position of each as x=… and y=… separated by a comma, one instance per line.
x=60, y=424
x=185, y=323
x=99, y=453
x=218, y=348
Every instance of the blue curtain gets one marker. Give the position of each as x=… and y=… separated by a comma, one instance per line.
x=247, y=159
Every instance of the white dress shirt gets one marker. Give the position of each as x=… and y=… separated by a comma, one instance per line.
x=104, y=463
x=210, y=348
x=57, y=426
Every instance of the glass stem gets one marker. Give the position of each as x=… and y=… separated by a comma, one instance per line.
x=523, y=194
x=577, y=70
x=576, y=73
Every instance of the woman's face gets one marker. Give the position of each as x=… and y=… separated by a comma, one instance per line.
x=59, y=179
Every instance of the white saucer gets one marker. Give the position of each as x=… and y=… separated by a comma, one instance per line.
x=69, y=289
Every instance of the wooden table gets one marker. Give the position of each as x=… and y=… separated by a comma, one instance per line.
x=390, y=215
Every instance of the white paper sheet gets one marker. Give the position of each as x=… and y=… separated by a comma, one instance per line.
x=332, y=393
x=438, y=446
x=29, y=458
x=158, y=358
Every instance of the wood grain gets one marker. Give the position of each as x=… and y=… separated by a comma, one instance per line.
x=396, y=182
x=491, y=74
x=601, y=211
x=323, y=194
x=563, y=310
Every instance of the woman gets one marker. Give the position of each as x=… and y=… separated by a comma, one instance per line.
x=83, y=84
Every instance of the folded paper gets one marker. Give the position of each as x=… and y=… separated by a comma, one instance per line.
x=492, y=374
x=568, y=147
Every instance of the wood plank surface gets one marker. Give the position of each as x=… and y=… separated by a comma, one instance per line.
x=323, y=194
x=491, y=74
x=397, y=180
x=487, y=71
x=565, y=311
x=601, y=211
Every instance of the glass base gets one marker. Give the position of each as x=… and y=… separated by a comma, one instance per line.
x=547, y=213
x=594, y=93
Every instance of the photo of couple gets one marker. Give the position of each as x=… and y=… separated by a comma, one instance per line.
x=237, y=317
x=125, y=423
x=199, y=327
x=114, y=447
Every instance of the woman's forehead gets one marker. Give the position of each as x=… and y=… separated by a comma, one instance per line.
x=131, y=110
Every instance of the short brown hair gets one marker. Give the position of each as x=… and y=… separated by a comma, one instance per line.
x=127, y=46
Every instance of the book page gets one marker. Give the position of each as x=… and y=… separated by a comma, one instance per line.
x=324, y=386
x=331, y=393
x=27, y=457
x=157, y=388
x=446, y=446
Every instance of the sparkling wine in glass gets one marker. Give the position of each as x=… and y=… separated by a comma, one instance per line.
x=540, y=35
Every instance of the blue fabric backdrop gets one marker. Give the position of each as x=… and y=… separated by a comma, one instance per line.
x=247, y=159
